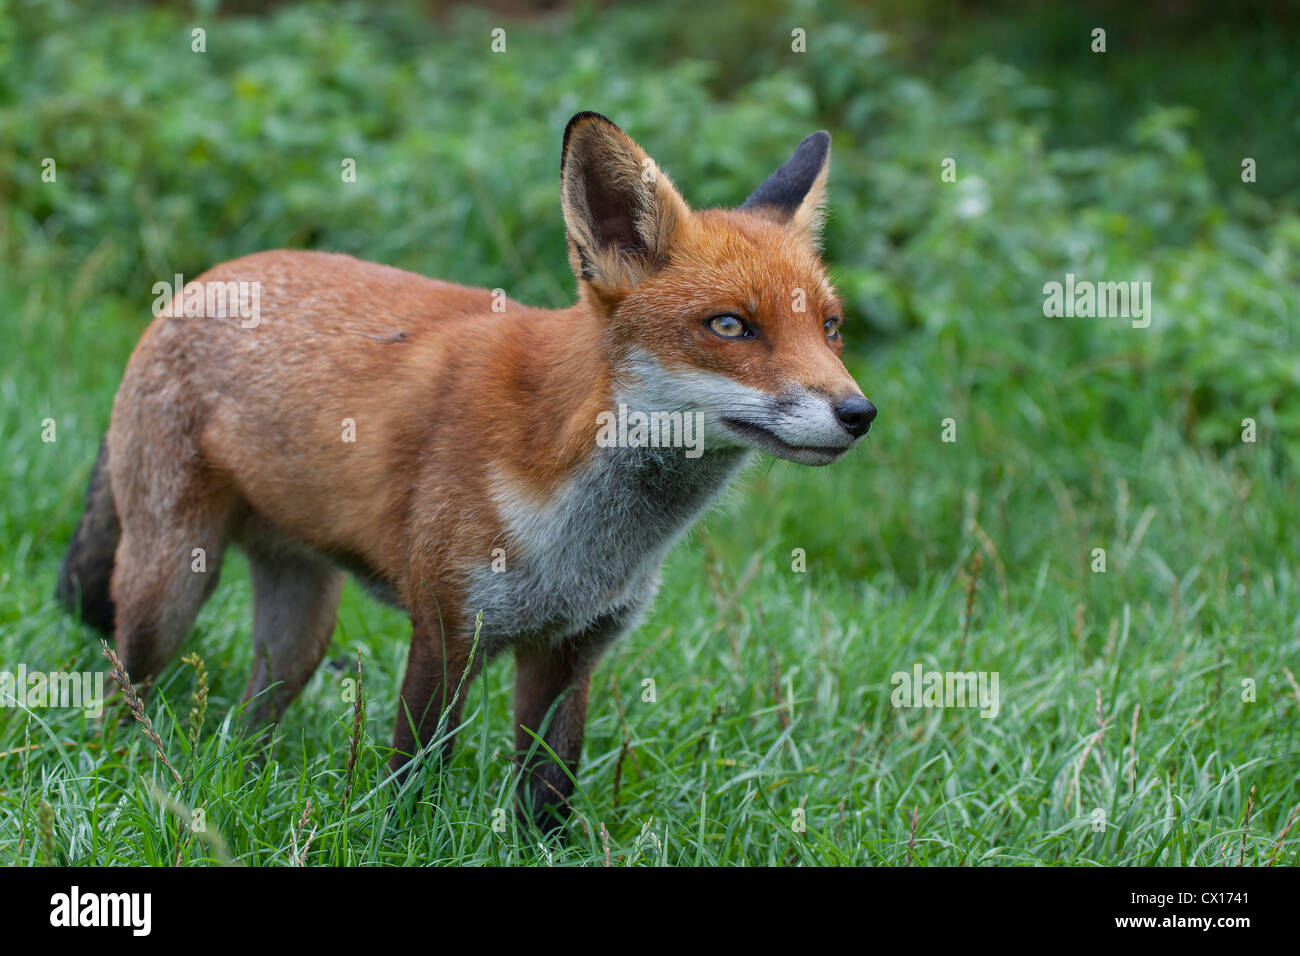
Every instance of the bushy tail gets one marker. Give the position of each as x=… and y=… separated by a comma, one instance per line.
x=88, y=566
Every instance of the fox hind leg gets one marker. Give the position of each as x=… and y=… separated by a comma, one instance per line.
x=295, y=606
x=165, y=568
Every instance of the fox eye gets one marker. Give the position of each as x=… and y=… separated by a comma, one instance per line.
x=832, y=327
x=729, y=327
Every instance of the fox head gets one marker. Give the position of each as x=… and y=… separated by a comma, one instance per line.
x=723, y=312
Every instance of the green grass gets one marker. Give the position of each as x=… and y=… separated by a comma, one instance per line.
x=1121, y=692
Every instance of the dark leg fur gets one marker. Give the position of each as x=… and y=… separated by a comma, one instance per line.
x=434, y=671
x=549, y=682
x=295, y=604
x=551, y=686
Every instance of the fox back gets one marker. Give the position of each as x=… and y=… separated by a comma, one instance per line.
x=463, y=454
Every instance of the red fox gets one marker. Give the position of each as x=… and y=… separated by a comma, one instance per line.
x=457, y=451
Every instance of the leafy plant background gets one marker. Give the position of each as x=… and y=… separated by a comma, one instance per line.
x=1072, y=433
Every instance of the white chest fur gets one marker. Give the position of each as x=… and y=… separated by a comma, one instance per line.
x=595, y=547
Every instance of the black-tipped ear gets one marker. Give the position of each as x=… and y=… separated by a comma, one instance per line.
x=795, y=192
x=586, y=116
x=599, y=183
x=620, y=210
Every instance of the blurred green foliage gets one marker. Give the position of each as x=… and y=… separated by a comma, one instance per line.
x=171, y=160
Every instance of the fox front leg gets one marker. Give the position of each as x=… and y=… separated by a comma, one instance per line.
x=552, y=680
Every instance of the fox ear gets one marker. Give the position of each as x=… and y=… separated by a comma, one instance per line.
x=795, y=194
x=620, y=210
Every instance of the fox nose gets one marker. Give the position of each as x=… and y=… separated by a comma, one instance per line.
x=856, y=415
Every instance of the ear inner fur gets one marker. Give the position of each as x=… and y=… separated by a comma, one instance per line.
x=621, y=212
